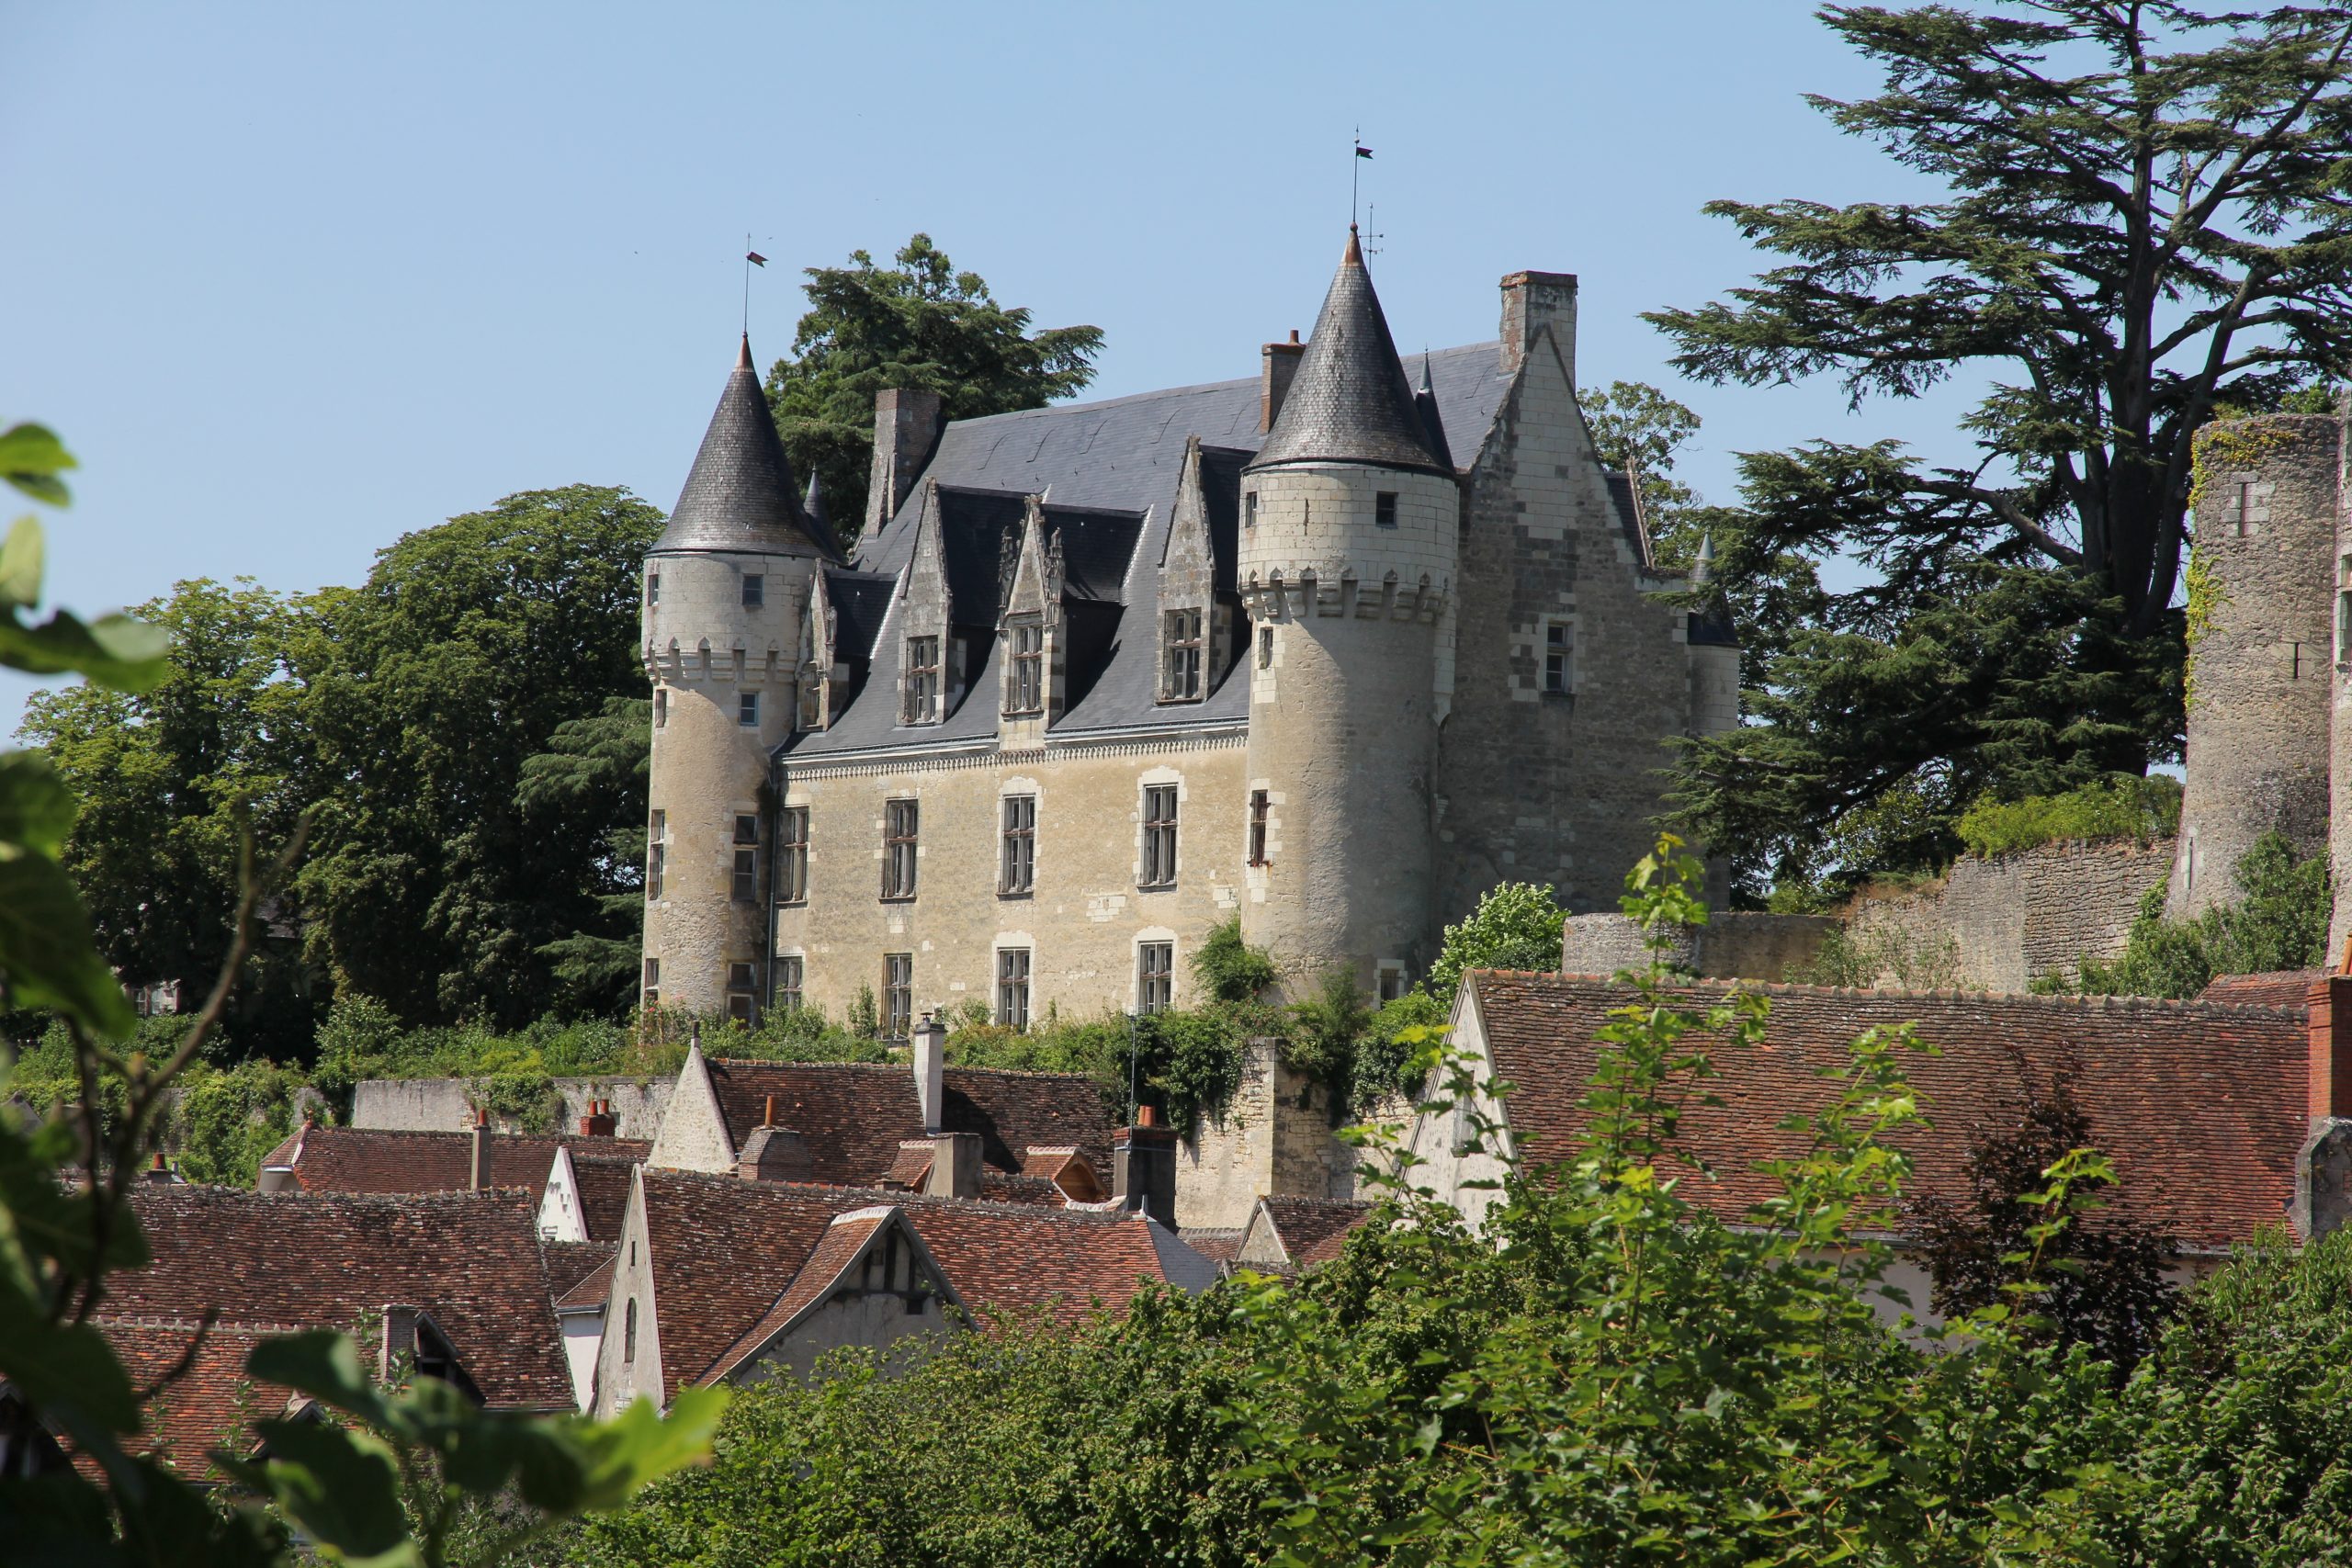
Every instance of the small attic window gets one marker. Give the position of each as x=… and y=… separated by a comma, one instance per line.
x=755, y=590
x=1383, y=509
x=1249, y=509
x=653, y=588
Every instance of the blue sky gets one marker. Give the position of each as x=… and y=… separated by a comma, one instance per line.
x=293, y=281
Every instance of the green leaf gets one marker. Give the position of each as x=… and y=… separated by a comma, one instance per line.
x=114, y=650
x=324, y=1365
x=36, y=808
x=31, y=456
x=639, y=1446
x=340, y=1487
x=66, y=1371
x=46, y=958
x=21, y=563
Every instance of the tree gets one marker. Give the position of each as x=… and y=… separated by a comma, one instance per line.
x=920, y=324
x=167, y=781
x=1516, y=926
x=1639, y=429
x=590, y=783
x=449, y=878
x=2144, y=224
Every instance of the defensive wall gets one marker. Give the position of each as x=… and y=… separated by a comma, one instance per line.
x=447, y=1105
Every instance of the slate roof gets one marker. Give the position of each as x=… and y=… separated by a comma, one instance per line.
x=740, y=496
x=1349, y=401
x=374, y=1159
x=472, y=1259
x=2200, y=1107
x=1312, y=1230
x=855, y=1116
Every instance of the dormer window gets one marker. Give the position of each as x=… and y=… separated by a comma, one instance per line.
x=1180, y=679
x=1025, y=690
x=919, y=691
x=755, y=588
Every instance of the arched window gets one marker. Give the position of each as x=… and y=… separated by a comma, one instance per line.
x=628, y=1332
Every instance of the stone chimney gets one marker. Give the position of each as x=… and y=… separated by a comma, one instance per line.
x=954, y=1166
x=1277, y=363
x=906, y=428
x=478, y=1167
x=1536, y=300
x=930, y=1069
x=600, y=1121
x=2323, y=1171
x=159, y=1171
x=773, y=1153
x=1142, y=1167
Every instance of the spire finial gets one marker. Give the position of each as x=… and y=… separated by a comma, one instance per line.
x=1703, y=569
x=1354, y=257
x=743, y=355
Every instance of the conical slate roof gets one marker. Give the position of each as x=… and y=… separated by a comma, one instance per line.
x=740, y=496
x=1350, y=403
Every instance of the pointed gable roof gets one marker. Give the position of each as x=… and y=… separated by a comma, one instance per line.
x=1349, y=402
x=739, y=495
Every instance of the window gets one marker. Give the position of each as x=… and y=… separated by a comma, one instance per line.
x=1180, y=677
x=787, y=983
x=755, y=590
x=657, y=830
x=2343, y=610
x=746, y=828
x=1018, y=865
x=899, y=849
x=2245, y=505
x=652, y=982
x=1383, y=509
x=898, y=993
x=1265, y=647
x=747, y=710
x=1249, y=509
x=1024, y=692
x=629, y=1325
x=1557, y=670
x=738, y=993
x=812, y=698
x=1159, y=836
x=919, y=697
x=744, y=882
x=1392, y=981
x=1012, y=987
x=1258, y=827
x=660, y=707
x=1155, y=976
x=792, y=855
x=653, y=588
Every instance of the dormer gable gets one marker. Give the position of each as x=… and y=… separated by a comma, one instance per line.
x=820, y=630
x=1188, y=636
x=868, y=1281
x=925, y=616
x=1033, y=651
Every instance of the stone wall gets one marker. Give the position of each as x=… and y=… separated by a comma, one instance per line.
x=2000, y=924
x=1275, y=1136
x=445, y=1105
x=1732, y=945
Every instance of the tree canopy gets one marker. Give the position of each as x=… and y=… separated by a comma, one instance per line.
x=917, y=323
x=2145, y=222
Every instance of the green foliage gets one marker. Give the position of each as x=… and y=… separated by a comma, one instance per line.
x=1886, y=954
x=919, y=323
x=1228, y=968
x=1392, y=1043
x=595, y=771
x=2279, y=922
x=2123, y=806
x=1637, y=428
x=224, y=1121
x=1516, y=926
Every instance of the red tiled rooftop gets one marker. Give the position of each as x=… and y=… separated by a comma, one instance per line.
x=1313, y=1230
x=375, y=1160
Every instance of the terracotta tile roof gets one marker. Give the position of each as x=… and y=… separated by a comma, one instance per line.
x=1216, y=1246
x=211, y=1406
x=1313, y=1230
x=912, y=1168
x=2201, y=1108
x=595, y=1287
x=856, y=1114
x=603, y=1192
x=472, y=1260
x=1013, y=1259
x=373, y=1159
x=569, y=1263
x=1066, y=1168
x=836, y=1251
x=2280, y=989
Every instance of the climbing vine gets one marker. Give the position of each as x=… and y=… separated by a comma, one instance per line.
x=2228, y=446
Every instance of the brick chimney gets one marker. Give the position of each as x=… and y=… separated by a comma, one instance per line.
x=2323, y=1170
x=1277, y=363
x=1532, y=300
x=773, y=1153
x=954, y=1166
x=930, y=1069
x=1142, y=1167
x=600, y=1121
x=478, y=1166
x=159, y=1171
x=906, y=429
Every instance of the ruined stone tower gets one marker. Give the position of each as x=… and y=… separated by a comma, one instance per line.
x=725, y=590
x=2264, y=671
x=1351, y=523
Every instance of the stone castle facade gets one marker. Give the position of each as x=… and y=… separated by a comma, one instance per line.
x=1322, y=650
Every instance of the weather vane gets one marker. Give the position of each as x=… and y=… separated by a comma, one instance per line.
x=751, y=258
x=1354, y=174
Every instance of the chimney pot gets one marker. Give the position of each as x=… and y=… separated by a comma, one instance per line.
x=769, y=1119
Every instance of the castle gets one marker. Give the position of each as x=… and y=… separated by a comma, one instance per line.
x=1322, y=650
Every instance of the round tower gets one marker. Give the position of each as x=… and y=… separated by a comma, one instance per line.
x=727, y=587
x=2262, y=649
x=1351, y=518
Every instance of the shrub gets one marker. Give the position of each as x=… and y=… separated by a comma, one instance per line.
x=1516, y=926
x=224, y=1121
x=2281, y=922
x=2123, y=805
x=1229, y=968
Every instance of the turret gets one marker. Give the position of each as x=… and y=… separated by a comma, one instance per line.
x=1351, y=519
x=726, y=593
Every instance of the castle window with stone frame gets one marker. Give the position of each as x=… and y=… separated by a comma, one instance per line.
x=898, y=993
x=747, y=710
x=1012, y=987
x=1158, y=868
x=1155, y=976
x=1258, y=801
x=1017, y=867
x=812, y=698
x=919, y=691
x=656, y=836
x=1390, y=979
x=1559, y=656
x=652, y=986
x=1024, y=686
x=755, y=590
x=1383, y=509
x=738, y=993
x=1249, y=509
x=660, y=707
x=744, y=878
x=1180, y=674
x=792, y=855
x=790, y=970
x=1265, y=647
x=899, y=821
x=653, y=588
